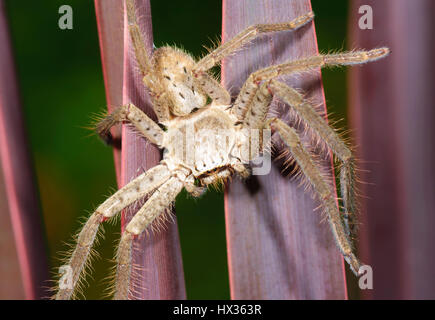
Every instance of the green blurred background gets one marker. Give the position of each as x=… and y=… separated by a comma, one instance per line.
x=61, y=85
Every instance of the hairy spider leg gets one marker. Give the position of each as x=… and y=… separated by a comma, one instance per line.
x=246, y=36
x=251, y=85
x=255, y=118
x=250, y=107
x=159, y=100
x=161, y=199
x=132, y=114
x=317, y=123
x=134, y=190
x=212, y=87
x=323, y=190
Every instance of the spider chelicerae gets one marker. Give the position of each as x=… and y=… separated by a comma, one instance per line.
x=207, y=138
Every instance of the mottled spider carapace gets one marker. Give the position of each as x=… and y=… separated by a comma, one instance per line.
x=207, y=137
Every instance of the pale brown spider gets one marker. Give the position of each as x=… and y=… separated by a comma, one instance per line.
x=180, y=89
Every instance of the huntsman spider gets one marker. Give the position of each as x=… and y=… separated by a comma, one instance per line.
x=207, y=137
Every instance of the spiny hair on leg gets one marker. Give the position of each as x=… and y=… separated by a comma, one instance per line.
x=86, y=256
x=323, y=190
x=309, y=136
x=161, y=222
x=138, y=136
x=266, y=147
x=156, y=226
x=216, y=42
x=137, y=272
x=292, y=170
x=102, y=122
x=277, y=109
x=85, y=275
x=123, y=271
x=219, y=183
x=111, y=279
x=95, y=119
x=350, y=193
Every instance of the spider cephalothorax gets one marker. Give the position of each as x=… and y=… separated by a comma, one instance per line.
x=174, y=71
x=208, y=138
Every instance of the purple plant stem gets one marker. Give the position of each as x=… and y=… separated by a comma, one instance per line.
x=110, y=22
x=18, y=176
x=392, y=110
x=10, y=276
x=278, y=248
x=157, y=254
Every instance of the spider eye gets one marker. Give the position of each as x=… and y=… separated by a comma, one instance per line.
x=194, y=110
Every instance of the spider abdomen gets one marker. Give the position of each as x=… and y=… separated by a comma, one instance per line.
x=201, y=142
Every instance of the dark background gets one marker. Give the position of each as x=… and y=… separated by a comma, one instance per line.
x=61, y=85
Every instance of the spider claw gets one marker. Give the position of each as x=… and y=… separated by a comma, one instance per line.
x=354, y=264
x=107, y=138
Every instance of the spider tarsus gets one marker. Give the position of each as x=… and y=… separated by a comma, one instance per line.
x=107, y=137
x=354, y=263
x=111, y=141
